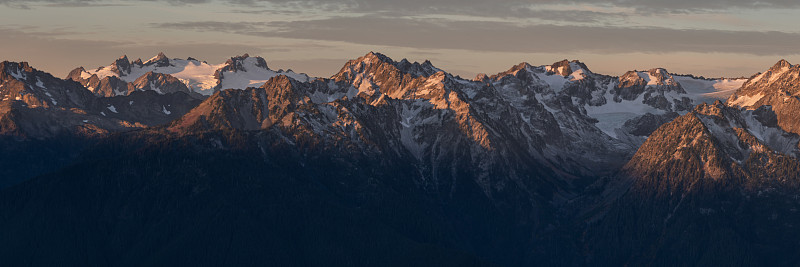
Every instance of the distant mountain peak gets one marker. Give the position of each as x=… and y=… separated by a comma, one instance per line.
x=244, y=56
x=121, y=66
x=159, y=60
x=521, y=66
x=777, y=88
x=576, y=64
x=562, y=68
x=783, y=78
x=566, y=67
x=652, y=77
x=17, y=70
x=237, y=63
x=11, y=63
x=78, y=74
x=661, y=71
x=378, y=56
x=375, y=56
x=781, y=65
x=562, y=62
x=21, y=82
x=377, y=62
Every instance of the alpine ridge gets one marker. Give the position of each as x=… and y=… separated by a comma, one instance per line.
x=393, y=162
x=189, y=75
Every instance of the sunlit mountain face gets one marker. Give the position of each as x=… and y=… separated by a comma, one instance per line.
x=476, y=133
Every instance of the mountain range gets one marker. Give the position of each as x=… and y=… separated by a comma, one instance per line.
x=172, y=161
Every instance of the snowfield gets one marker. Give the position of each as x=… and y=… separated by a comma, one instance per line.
x=199, y=76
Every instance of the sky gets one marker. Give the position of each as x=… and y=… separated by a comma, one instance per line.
x=712, y=38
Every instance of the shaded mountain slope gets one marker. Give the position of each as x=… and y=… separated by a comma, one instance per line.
x=45, y=122
x=717, y=186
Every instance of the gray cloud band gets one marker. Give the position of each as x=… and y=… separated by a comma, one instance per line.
x=508, y=37
x=491, y=8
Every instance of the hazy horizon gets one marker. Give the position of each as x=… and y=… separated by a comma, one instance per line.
x=713, y=38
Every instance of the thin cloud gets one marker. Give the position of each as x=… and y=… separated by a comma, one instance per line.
x=83, y=4
x=266, y=11
x=510, y=37
x=496, y=8
x=488, y=6
x=214, y=26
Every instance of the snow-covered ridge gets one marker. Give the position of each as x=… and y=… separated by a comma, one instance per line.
x=722, y=122
x=779, y=83
x=199, y=76
x=613, y=101
x=610, y=100
x=249, y=72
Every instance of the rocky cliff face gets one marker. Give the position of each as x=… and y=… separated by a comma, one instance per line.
x=160, y=83
x=34, y=88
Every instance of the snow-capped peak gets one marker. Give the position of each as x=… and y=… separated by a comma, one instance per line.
x=121, y=66
x=782, y=64
x=374, y=56
x=84, y=74
x=658, y=76
x=566, y=68
x=244, y=63
x=775, y=86
x=520, y=66
x=159, y=60
x=773, y=74
x=199, y=76
x=562, y=68
x=245, y=71
x=378, y=60
x=652, y=77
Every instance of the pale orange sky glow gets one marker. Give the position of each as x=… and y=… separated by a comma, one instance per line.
x=713, y=38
